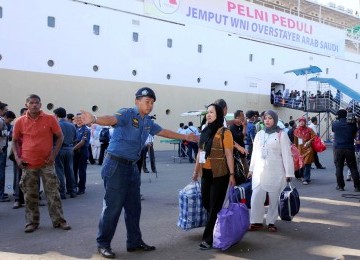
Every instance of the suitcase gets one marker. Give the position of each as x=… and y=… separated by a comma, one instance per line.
x=289, y=202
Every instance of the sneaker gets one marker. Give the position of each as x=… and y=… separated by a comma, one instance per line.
x=17, y=205
x=63, y=226
x=339, y=188
x=305, y=183
x=204, y=246
x=31, y=228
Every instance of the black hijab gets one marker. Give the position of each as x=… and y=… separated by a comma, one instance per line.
x=208, y=133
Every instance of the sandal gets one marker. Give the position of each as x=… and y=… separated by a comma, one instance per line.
x=272, y=228
x=256, y=226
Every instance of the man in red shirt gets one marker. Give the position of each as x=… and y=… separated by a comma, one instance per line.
x=36, y=157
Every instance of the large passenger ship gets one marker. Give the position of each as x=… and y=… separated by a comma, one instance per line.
x=95, y=54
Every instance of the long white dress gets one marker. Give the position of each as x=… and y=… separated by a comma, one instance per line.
x=271, y=163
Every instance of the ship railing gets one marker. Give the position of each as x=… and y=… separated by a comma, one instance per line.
x=317, y=104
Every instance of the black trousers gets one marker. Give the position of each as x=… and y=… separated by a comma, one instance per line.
x=340, y=155
x=213, y=192
x=149, y=148
x=103, y=147
x=192, y=146
x=316, y=160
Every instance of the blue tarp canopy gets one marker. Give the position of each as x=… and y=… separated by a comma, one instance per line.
x=304, y=71
x=340, y=86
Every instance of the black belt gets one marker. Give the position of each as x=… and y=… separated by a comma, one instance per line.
x=120, y=159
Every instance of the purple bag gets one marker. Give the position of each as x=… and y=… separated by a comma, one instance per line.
x=232, y=223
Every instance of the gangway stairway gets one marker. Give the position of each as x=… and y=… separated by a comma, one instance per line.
x=327, y=95
x=322, y=95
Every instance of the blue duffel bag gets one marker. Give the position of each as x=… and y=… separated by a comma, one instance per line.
x=289, y=202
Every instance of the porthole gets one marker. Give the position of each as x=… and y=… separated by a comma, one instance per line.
x=50, y=106
x=51, y=63
x=95, y=68
x=198, y=80
x=0, y=57
x=134, y=72
x=168, y=76
x=225, y=82
x=94, y=108
x=167, y=111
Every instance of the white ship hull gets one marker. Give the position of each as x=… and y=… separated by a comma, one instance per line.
x=183, y=78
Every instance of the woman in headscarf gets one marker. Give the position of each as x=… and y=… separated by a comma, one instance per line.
x=303, y=137
x=271, y=166
x=215, y=160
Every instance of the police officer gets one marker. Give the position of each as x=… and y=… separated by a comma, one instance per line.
x=344, y=135
x=81, y=155
x=120, y=172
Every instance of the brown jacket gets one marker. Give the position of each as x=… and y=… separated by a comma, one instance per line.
x=305, y=148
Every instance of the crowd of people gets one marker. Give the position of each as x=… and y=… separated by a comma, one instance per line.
x=314, y=101
x=57, y=148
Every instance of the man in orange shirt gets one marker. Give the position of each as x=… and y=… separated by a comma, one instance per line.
x=36, y=157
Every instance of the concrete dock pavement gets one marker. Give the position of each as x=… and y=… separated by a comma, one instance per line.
x=327, y=226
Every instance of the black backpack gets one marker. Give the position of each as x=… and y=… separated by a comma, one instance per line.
x=104, y=136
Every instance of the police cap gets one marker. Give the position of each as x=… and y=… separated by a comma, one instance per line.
x=145, y=92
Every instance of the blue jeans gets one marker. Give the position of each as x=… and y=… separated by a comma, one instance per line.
x=307, y=172
x=122, y=190
x=64, y=170
x=2, y=173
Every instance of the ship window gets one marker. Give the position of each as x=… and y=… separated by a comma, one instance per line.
x=168, y=76
x=198, y=80
x=327, y=70
x=51, y=21
x=199, y=48
x=356, y=76
x=50, y=63
x=0, y=57
x=94, y=108
x=225, y=82
x=251, y=57
x=169, y=43
x=135, y=37
x=167, y=111
x=50, y=106
x=95, y=68
x=0, y=12
x=134, y=72
x=96, y=29
x=273, y=61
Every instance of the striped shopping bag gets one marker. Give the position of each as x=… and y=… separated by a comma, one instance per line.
x=191, y=211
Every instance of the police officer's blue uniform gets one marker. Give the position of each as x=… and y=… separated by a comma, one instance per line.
x=81, y=157
x=121, y=176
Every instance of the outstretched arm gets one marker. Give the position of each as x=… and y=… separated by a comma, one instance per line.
x=87, y=118
x=173, y=135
